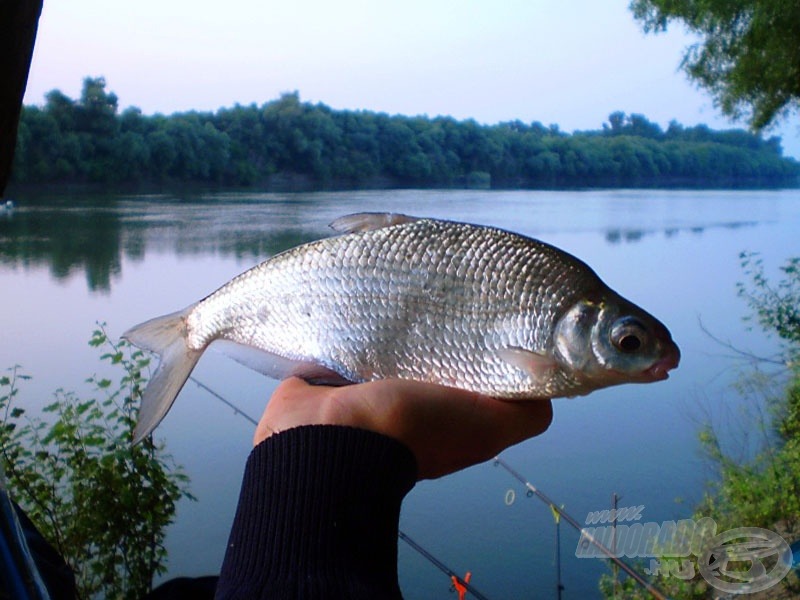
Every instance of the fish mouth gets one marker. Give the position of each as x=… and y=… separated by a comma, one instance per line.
x=661, y=368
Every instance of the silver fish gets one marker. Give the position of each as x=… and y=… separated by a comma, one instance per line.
x=461, y=305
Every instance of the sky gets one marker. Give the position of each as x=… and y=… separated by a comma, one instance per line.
x=569, y=63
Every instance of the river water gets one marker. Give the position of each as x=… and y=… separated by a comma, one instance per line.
x=68, y=261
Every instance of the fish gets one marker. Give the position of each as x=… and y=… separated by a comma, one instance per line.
x=396, y=296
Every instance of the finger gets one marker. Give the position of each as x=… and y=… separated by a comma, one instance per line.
x=527, y=419
x=501, y=423
x=528, y=414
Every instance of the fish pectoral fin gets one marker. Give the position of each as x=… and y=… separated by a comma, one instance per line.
x=535, y=364
x=369, y=221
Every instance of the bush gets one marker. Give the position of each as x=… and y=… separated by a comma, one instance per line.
x=762, y=489
x=102, y=503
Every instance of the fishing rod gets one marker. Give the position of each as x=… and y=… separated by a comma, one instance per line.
x=584, y=532
x=658, y=595
x=441, y=566
x=430, y=557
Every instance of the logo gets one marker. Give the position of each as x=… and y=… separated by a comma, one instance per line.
x=738, y=561
x=745, y=560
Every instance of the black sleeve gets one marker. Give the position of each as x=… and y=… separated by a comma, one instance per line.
x=318, y=516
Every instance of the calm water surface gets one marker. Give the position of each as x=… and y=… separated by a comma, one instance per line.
x=67, y=262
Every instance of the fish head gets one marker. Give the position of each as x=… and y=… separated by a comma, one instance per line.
x=609, y=340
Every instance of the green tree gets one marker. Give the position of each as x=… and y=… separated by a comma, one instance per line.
x=103, y=504
x=62, y=108
x=749, y=57
x=298, y=143
x=248, y=162
x=97, y=109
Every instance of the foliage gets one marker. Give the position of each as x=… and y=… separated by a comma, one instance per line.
x=289, y=142
x=672, y=587
x=749, y=57
x=762, y=489
x=776, y=308
x=102, y=503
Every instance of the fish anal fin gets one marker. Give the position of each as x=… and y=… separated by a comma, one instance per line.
x=369, y=221
x=279, y=367
x=535, y=364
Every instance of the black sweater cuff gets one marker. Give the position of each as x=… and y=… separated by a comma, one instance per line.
x=318, y=516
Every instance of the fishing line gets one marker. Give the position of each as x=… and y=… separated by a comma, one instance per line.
x=236, y=409
x=430, y=557
x=531, y=491
x=534, y=491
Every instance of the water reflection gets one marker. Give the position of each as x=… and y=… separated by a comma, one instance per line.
x=95, y=234
x=615, y=236
x=65, y=240
x=619, y=235
x=95, y=239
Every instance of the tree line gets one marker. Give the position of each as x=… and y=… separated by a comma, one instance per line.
x=289, y=143
x=747, y=55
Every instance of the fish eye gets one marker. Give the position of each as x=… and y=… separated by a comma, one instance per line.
x=628, y=335
x=629, y=343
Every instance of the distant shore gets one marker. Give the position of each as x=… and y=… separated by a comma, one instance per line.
x=288, y=145
x=299, y=184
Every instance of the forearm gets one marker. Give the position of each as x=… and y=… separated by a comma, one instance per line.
x=318, y=516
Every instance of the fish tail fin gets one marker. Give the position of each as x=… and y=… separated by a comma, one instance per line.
x=166, y=336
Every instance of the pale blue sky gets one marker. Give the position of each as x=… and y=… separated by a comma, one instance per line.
x=571, y=62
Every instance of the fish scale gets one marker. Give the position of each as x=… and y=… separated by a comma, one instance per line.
x=403, y=309
x=397, y=297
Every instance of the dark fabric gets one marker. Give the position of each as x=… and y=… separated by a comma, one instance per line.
x=318, y=517
x=19, y=20
x=185, y=588
x=55, y=573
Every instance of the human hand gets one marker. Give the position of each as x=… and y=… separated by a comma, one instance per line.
x=447, y=429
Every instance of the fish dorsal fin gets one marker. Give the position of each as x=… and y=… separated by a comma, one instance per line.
x=533, y=363
x=369, y=221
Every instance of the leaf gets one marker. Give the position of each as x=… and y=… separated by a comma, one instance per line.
x=77, y=467
x=82, y=407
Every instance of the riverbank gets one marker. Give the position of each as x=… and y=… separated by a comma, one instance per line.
x=289, y=145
